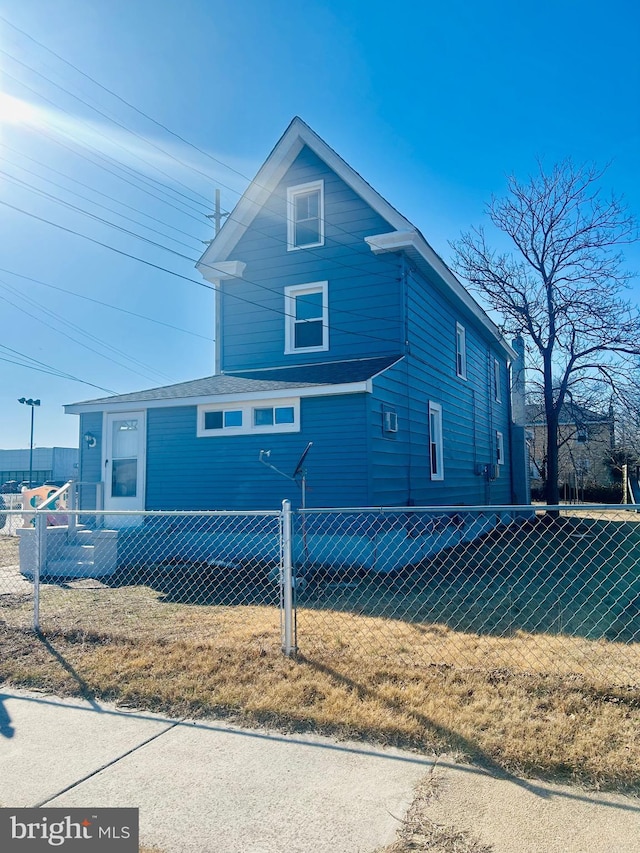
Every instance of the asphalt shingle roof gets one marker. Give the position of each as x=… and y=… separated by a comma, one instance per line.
x=271, y=379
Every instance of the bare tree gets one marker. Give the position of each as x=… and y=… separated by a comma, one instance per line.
x=563, y=289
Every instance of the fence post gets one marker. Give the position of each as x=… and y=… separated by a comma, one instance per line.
x=41, y=544
x=286, y=583
x=72, y=518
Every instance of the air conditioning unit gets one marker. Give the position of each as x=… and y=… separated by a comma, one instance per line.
x=390, y=421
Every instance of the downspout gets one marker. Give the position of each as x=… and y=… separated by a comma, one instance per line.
x=217, y=326
x=404, y=296
x=491, y=403
x=510, y=422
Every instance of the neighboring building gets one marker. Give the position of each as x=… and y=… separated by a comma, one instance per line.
x=585, y=440
x=49, y=463
x=335, y=323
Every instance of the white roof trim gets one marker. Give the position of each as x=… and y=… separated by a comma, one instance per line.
x=174, y=402
x=223, y=270
x=269, y=176
x=397, y=241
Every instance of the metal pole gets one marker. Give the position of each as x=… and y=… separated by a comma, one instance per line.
x=31, y=450
x=286, y=580
x=41, y=532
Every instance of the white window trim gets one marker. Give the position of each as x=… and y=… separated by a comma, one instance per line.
x=292, y=192
x=436, y=409
x=290, y=294
x=496, y=381
x=499, y=448
x=461, y=351
x=248, y=427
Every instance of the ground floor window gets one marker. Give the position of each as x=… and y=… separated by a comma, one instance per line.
x=435, y=441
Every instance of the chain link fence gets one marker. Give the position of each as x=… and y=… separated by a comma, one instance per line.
x=553, y=590
x=157, y=575
x=548, y=590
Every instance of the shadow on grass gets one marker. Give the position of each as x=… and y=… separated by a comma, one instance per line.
x=84, y=690
x=200, y=583
x=455, y=741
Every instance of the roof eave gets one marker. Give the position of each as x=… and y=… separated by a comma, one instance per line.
x=418, y=250
x=304, y=390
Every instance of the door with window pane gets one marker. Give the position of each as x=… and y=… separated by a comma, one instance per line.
x=124, y=465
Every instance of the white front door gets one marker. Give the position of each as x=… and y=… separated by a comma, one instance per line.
x=124, y=465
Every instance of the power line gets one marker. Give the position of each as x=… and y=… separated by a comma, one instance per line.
x=123, y=167
x=94, y=216
x=107, y=305
x=65, y=322
x=207, y=201
x=91, y=201
x=49, y=369
x=93, y=189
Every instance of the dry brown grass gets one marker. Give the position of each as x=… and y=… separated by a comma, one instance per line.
x=519, y=703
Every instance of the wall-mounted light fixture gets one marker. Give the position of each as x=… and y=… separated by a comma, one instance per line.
x=90, y=439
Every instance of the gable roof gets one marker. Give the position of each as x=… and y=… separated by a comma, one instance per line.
x=348, y=375
x=214, y=263
x=570, y=413
x=274, y=168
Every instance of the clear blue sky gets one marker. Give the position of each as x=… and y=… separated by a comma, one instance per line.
x=432, y=103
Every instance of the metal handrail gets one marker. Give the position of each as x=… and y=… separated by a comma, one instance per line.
x=53, y=497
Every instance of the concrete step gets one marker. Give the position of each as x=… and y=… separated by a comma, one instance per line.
x=74, y=552
x=68, y=568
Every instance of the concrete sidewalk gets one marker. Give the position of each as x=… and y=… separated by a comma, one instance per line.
x=210, y=787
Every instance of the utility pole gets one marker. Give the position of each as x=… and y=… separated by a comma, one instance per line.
x=217, y=216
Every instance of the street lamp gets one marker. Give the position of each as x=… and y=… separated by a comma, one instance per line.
x=31, y=403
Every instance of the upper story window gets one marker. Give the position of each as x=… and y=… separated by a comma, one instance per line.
x=497, y=396
x=305, y=215
x=435, y=441
x=245, y=418
x=306, y=308
x=582, y=434
x=461, y=351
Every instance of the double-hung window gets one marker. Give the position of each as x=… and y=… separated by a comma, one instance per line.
x=306, y=309
x=305, y=215
x=461, y=351
x=435, y=441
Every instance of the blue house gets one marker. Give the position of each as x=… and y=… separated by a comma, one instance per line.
x=335, y=323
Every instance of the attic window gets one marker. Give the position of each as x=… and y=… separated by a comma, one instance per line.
x=305, y=216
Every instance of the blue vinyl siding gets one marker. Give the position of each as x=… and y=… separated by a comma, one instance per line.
x=91, y=457
x=186, y=472
x=470, y=414
x=365, y=311
x=90, y=470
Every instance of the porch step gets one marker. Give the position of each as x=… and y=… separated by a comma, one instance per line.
x=79, y=553
x=69, y=568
